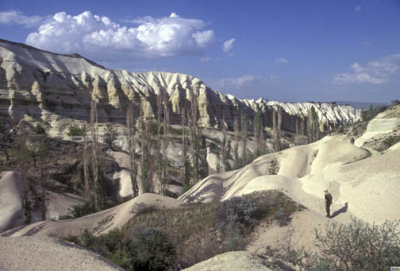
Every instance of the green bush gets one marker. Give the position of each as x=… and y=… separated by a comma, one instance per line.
x=152, y=250
x=360, y=246
x=354, y=246
x=145, y=249
x=388, y=142
x=110, y=135
x=39, y=129
x=82, y=210
x=74, y=130
x=236, y=213
x=367, y=115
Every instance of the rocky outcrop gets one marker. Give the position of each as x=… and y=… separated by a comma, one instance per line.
x=235, y=260
x=10, y=200
x=48, y=86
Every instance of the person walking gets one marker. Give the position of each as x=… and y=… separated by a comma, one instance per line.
x=328, y=202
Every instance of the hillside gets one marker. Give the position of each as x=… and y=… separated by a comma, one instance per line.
x=48, y=86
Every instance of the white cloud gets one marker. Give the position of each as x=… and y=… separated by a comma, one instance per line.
x=205, y=59
x=227, y=46
x=357, y=8
x=235, y=82
x=17, y=17
x=101, y=38
x=281, y=60
x=378, y=71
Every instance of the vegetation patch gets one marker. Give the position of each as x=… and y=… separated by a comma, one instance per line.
x=189, y=234
x=142, y=249
x=354, y=246
x=388, y=142
x=178, y=238
x=75, y=130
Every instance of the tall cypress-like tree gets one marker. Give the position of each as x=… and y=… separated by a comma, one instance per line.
x=130, y=124
x=194, y=136
x=236, y=160
x=226, y=146
x=258, y=131
x=243, y=118
x=146, y=160
x=99, y=195
x=185, y=160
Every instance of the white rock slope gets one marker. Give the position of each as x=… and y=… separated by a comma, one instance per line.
x=49, y=86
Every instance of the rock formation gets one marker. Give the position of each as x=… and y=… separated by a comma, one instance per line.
x=48, y=86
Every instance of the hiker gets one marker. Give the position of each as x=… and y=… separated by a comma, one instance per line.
x=328, y=202
x=352, y=140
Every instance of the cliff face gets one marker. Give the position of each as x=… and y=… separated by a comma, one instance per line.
x=45, y=85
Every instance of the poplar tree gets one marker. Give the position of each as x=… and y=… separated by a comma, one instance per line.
x=130, y=124
x=244, y=131
x=236, y=145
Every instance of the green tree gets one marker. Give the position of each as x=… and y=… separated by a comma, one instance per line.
x=110, y=135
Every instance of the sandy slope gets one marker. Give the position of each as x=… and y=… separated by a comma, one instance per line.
x=58, y=204
x=10, y=200
x=369, y=184
x=386, y=122
x=363, y=185
x=97, y=223
x=234, y=261
x=33, y=253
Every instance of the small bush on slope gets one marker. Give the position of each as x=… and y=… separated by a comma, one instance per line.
x=182, y=237
x=144, y=249
x=201, y=231
x=354, y=246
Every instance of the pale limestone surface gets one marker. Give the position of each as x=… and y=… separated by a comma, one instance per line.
x=10, y=200
x=233, y=261
x=51, y=87
x=97, y=223
x=48, y=254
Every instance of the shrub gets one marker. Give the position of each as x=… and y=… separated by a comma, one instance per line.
x=354, y=246
x=360, y=246
x=152, y=250
x=388, y=142
x=235, y=213
x=367, y=115
x=82, y=210
x=74, y=130
x=39, y=129
x=145, y=249
x=110, y=135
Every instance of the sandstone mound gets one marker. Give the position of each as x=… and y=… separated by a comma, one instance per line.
x=10, y=200
x=385, y=124
x=235, y=261
x=362, y=185
x=97, y=223
x=32, y=253
x=59, y=204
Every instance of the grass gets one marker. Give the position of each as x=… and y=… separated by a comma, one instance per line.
x=200, y=231
x=192, y=233
x=388, y=142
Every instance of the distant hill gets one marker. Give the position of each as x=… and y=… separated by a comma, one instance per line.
x=361, y=105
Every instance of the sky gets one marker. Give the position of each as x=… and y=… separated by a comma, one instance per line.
x=293, y=51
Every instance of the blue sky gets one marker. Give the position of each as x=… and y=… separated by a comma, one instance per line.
x=279, y=50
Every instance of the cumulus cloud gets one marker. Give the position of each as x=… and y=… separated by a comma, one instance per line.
x=378, y=71
x=227, y=46
x=17, y=17
x=281, y=60
x=101, y=38
x=236, y=82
